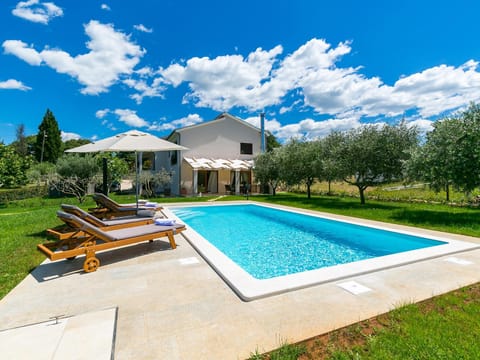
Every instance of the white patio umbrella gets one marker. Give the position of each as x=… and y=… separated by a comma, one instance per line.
x=130, y=141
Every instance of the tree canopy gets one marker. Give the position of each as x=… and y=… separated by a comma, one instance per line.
x=451, y=153
x=48, y=146
x=13, y=167
x=371, y=155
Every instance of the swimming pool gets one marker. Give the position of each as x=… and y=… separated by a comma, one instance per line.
x=261, y=250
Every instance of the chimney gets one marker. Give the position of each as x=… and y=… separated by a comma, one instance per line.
x=262, y=131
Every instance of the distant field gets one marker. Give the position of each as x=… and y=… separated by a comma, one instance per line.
x=391, y=192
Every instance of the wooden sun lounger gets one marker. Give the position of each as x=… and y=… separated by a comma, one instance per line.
x=107, y=208
x=65, y=231
x=93, y=239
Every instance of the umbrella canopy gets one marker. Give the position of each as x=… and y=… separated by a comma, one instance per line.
x=130, y=141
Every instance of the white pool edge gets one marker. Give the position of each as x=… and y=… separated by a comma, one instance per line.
x=249, y=288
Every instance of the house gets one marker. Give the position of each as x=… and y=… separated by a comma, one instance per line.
x=219, y=159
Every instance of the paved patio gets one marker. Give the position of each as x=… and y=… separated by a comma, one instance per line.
x=172, y=305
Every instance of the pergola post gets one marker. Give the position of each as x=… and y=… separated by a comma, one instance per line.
x=237, y=181
x=195, y=181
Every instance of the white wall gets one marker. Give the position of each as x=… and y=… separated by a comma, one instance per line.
x=220, y=139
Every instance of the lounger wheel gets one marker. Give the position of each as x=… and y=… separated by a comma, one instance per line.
x=91, y=264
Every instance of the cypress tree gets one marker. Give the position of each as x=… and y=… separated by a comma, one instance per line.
x=48, y=146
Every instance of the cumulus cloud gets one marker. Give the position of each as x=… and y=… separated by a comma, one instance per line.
x=313, y=76
x=12, y=84
x=100, y=114
x=105, y=7
x=155, y=89
x=130, y=118
x=422, y=125
x=142, y=28
x=22, y=51
x=111, y=56
x=312, y=129
x=190, y=119
x=69, y=136
x=36, y=11
x=271, y=125
x=227, y=81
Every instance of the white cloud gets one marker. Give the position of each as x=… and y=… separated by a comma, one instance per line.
x=22, y=51
x=100, y=114
x=227, y=81
x=12, y=84
x=142, y=28
x=111, y=56
x=130, y=118
x=69, y=136
x=190, y=119
x=35, y=11
x=422, y=125
x=155, y=89
x=314, y=77
x=272, y=125
x=312, y=129
x=105, y=7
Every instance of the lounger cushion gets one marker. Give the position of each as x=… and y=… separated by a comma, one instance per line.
x=141, y=230
x=165, y=222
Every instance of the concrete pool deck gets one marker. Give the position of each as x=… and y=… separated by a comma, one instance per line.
x=172, y=305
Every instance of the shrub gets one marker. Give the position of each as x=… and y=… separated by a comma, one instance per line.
x=9, y=195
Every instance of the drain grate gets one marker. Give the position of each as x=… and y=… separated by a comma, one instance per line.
x=354, y=287
x=458, y=261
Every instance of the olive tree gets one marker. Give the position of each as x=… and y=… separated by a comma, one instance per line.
x=326, y=163
x=466, y=164
x=74, y=173
x=435, y=160
x=373, y=154
x=117, y=168
x=267, y=168
x=451, y=153
x=298, y=163
x=151, y=180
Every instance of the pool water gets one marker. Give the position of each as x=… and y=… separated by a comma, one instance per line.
x=268, y=242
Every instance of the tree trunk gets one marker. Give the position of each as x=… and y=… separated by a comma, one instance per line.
x=362, y=195
x=329, y=187
x=447, y=192
x=308, y=190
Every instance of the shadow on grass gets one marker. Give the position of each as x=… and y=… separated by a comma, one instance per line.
x=446, y=218
x=326, y=202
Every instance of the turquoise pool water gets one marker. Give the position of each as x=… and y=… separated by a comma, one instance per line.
x=268, y=242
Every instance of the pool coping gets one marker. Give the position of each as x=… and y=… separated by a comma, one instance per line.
x=249, y=288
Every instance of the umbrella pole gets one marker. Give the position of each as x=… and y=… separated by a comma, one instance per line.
x=105, y=176
x=136, y=180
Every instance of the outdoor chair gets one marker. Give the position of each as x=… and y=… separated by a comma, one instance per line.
x=95, y=239
x=108, y=208
x=64, y=231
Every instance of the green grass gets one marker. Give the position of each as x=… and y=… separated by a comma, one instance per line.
x=444, y=328
x=23, y=224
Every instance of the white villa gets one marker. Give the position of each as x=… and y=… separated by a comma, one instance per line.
x=219, y=159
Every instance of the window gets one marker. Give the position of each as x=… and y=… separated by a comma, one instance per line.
x=246, y=148
x=173, y=158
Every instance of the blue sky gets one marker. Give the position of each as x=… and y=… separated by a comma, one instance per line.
x=105, y=67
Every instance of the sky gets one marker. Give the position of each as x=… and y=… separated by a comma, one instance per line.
x=105, y=67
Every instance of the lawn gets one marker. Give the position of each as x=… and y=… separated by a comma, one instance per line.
x=416, y=331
